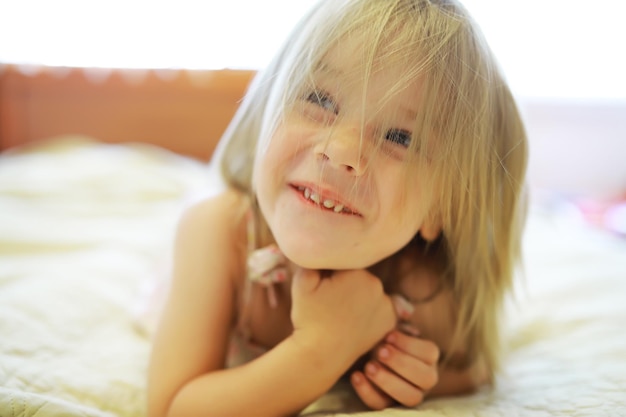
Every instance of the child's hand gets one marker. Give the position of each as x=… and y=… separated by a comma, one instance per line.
x=343, y=315
x=402, y=370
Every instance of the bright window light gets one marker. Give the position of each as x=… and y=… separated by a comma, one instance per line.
x=554, y=48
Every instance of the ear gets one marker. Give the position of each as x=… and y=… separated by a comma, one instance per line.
x=430, y=230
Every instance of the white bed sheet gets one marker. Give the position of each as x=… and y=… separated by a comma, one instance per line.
x=84, y=226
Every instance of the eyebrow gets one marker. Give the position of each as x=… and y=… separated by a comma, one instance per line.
x=325, y=69
x=409, y=112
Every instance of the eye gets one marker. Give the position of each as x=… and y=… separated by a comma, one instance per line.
x=399, y=136
x=324, y=100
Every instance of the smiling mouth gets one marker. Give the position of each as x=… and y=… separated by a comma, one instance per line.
x=324, y=202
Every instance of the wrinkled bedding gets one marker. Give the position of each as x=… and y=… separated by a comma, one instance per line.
x=85, y=227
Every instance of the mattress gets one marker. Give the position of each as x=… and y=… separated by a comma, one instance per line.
x=86, y=227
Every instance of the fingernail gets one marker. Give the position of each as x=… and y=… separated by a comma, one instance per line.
x=391, y=337
x=383, y=353
x=356, y=378
x=371, y=369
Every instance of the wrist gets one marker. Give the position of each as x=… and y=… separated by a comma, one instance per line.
x=324, y=352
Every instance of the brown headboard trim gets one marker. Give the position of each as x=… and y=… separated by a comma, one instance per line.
x=185, y=111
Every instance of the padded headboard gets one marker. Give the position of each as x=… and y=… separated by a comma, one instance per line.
x=185, y=111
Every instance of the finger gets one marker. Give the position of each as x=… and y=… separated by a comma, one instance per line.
x=393, y=385
x=425, y=350
x=371, y=396
x=412, y=369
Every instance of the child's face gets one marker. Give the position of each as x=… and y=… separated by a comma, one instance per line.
x=332, y=195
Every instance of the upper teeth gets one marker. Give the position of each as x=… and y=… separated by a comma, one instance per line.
x=315, y=197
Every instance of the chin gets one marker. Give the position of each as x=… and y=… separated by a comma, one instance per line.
x=310, y=259
x=311, y=256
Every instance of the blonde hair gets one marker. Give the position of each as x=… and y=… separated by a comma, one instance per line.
x=467, y=118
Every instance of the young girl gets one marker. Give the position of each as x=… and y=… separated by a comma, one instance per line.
x=369, y=227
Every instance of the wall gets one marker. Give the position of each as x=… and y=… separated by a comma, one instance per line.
x=577, y=146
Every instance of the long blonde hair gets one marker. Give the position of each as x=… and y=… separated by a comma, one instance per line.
x=467, y=112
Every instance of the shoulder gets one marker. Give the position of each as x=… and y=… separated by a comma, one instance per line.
x=422, y=281
x=201, y=295
x=221, y=216
x=436, y=310
x=433, y=303
x=210, y=234
x=225, y=209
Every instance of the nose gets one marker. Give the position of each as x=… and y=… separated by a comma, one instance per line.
x=343, y=148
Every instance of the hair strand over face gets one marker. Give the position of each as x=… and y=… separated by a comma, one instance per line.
x=467, y=121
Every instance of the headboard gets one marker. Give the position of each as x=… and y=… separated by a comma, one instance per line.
x=185, y=111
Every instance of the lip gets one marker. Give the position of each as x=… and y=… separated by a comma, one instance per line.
x=326, y=193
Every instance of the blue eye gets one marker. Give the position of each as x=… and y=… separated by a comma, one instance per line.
x=323, y=100
x=399, y=137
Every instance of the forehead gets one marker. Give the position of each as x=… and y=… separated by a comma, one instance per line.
x=385, y=76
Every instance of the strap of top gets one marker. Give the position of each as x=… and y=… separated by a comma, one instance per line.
x=267, y=267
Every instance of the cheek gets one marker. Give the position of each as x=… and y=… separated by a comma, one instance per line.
x=268, y=156
x=281, y=147
x=275, y=160
x=405, y=211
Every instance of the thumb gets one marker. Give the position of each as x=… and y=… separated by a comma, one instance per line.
x=305, y=280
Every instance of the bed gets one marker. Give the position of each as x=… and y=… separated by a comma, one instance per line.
x=97, y=165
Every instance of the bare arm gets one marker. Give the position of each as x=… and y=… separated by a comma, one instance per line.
x=281, y=382
x=194, y=328
x=187, y=375
x=186, y=370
